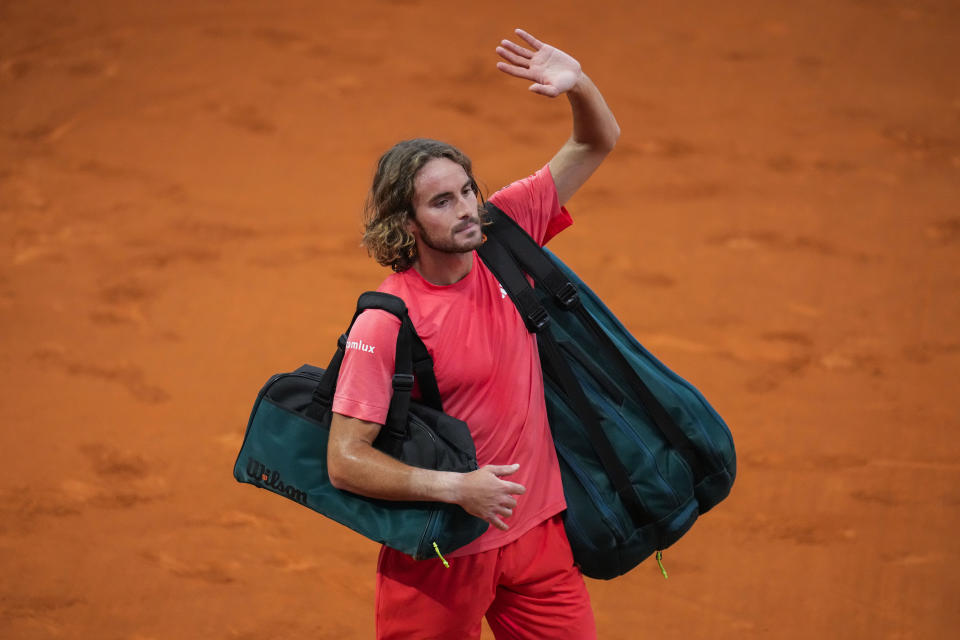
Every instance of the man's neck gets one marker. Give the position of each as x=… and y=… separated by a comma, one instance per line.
x=443, y=268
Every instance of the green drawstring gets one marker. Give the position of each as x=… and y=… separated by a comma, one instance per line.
x=444, y=560
x=659, y=562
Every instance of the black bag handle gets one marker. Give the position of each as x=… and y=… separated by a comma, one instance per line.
x=412, y=359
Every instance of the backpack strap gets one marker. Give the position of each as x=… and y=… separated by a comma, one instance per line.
x=413, y=361
x=528, y=253
x=504, y=267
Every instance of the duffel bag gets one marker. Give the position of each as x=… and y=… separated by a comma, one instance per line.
x=285, y=447
x=642, y=453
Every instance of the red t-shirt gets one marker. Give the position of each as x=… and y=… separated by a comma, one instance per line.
x=486, y=364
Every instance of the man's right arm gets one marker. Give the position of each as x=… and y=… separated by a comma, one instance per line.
x=355, y=465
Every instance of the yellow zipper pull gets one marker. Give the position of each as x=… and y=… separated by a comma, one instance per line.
x=444, y=560
x=659, y=562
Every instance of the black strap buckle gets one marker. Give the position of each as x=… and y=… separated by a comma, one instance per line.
x=568, y=296
x=538, y=319
x=402, y=382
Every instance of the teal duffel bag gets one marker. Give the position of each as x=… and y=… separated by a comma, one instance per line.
x=285, y=447
x=642, y=454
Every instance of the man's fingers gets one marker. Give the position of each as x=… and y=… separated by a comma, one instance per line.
x=515, y=489
x=513, y=58
x=498, y=523
x=516, y=49
x=529, y=39
x=517, y=72
x=545, y=90
x=502, y=469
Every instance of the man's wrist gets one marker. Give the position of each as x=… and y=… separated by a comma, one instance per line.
x=447, y=486
x=581, y=86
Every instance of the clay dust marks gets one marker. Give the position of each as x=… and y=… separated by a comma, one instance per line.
x=917, y=465
x=15, y=68
x=236, y=519
x=918, y=559
x=926, y=352
x=810, y=532
x=210, y=572
x=248, y=522
x=294, y=563
x=22, y=507
x=30, y=246
x=685, y=189
x=772, y=357
x=188, y=242
x=110, y=484
x=787, y=163
x=111, y=463
x=280, y=38
x=127, y=375
x=779, y=242
x=121, y=479
x=620, y=267
x=248, y=118
x=944, y=232
x=664, y=148
x=923, y=145
x=819, y=462
x=20, y=193
x=338, y=252
x=122, y=303
x=35, y=613
x=45, y=132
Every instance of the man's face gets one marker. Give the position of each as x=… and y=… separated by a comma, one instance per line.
x=446, y=218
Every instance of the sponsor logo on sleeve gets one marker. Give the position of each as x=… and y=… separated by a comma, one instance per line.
x=360, y=345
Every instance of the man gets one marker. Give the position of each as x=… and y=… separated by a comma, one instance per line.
x=423, y=220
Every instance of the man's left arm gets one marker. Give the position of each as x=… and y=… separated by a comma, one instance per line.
x=595, y=130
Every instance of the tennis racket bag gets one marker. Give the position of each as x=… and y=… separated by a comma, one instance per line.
x=285, y=446
x=642, y=454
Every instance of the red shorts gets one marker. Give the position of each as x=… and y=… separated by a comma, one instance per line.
x=529, y=588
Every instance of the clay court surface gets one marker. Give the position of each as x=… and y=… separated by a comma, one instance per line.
x=180, y=187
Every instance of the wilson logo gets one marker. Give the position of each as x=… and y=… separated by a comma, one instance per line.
x=271, y=479
x=359, y=345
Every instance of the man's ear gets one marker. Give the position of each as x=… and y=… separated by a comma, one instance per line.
x=410, y=224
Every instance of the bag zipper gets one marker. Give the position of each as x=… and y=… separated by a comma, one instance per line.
x=609, y=517
x=428, y=535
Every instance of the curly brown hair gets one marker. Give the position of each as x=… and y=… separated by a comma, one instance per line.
x=390, y=203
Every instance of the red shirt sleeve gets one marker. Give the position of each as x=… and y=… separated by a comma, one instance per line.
x=365, y=387
x=533, y=203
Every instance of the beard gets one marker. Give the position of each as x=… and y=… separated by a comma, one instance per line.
x=450, y=243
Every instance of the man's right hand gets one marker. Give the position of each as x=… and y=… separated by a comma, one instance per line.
x=483, y=494
x=355, y=465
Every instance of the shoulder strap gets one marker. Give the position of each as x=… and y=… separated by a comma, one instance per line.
x=412, y=359
x=528, y=253
x=504, y=267
x=422, y=362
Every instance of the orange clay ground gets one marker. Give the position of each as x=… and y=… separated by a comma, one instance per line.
x=180, y=187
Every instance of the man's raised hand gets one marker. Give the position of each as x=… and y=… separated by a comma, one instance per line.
x=552, y=71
